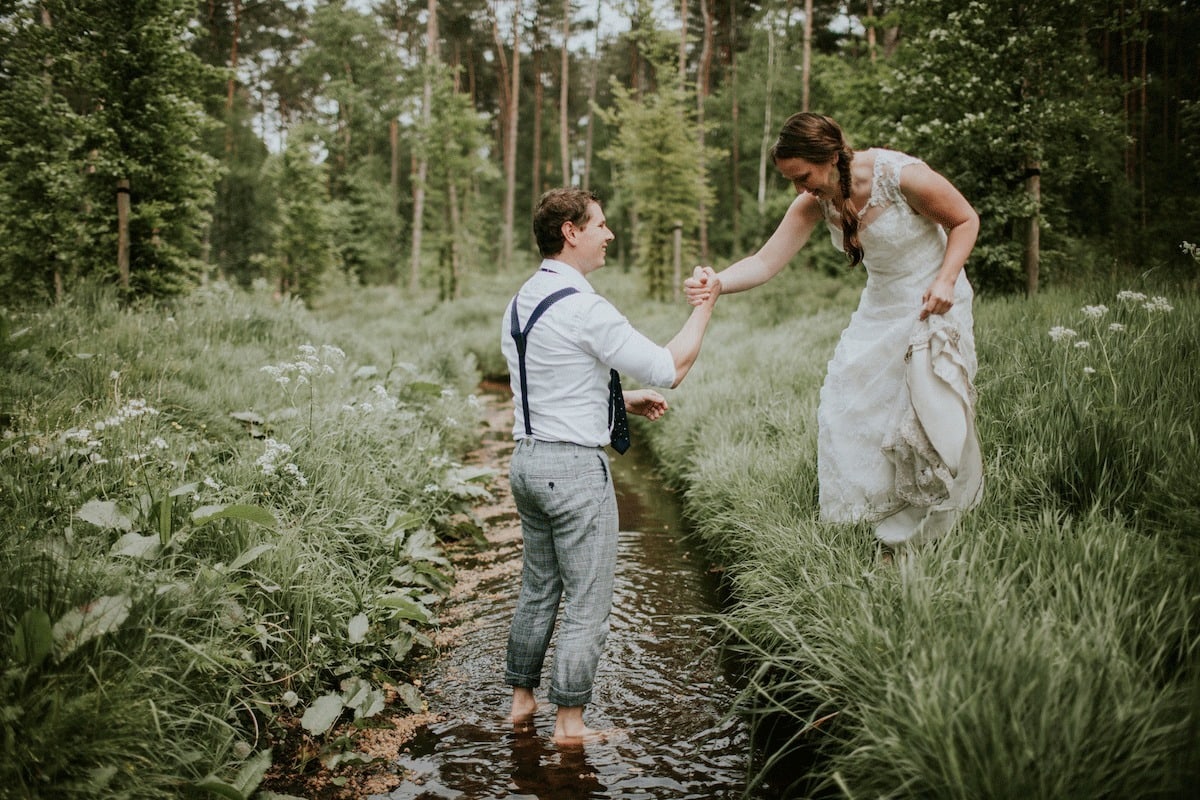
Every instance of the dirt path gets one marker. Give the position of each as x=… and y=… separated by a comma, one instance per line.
x=386, y=740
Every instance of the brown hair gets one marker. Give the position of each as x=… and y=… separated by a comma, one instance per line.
x=817, y=138
x=554, y=208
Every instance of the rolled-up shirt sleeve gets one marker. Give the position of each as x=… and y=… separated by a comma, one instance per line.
x=606, y=334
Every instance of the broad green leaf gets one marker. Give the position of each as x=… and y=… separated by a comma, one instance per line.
x=357, y=629
x=411, y=696
x=187, y=488
x=422, y=545
x=404, y=607
x=33, y=639
x=85, y=623
x=321, y=715
x=164, y=519
x=472, y=473
x=250, y=513
x=104, y=514
x=402, y=521
x=213, y=784
x=250, y=555
x=136, y=546
x=363, y=697
x=252, y=773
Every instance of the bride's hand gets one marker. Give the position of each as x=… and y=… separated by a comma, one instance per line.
x=701, y=286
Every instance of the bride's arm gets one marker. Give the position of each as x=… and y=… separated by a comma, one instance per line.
x=754, y=270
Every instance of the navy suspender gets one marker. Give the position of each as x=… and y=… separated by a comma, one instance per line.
x=520, y=336
x=617, y=421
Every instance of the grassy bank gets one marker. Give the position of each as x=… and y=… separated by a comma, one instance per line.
x=1048, y=648
x=214, y=516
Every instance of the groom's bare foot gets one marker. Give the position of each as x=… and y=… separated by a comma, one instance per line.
x=586, y=736
x=524, y=706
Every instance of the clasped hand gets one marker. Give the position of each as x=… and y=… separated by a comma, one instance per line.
x=702, y=286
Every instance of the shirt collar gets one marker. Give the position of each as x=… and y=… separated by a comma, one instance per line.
x=567, y=273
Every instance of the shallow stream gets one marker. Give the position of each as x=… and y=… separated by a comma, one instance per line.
x=661, y=682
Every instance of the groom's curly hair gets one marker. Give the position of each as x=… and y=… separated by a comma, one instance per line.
x=554, y=208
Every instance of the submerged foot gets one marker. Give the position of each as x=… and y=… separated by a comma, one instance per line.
x=523, y=709
x=582, y=736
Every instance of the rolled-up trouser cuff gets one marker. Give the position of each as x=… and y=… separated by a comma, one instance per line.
x=523, y=681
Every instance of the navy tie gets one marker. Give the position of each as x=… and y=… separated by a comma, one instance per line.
x=616, y=413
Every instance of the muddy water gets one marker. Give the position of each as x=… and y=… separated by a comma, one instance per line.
x=660, y=682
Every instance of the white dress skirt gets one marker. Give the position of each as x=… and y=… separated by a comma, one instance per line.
x=896, y=435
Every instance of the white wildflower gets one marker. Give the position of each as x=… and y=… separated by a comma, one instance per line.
x=331, y=352
x=212, y=483
x=159, y=442
x=34, y=450
x=307, y=350
x=366, y=406
x=114, y=375
x=1058, y=333
x=293, y=470
x=1127, y=296
x=97, y=459
x=1089, y=371
x=1158, y=304
x=1082, y=345
x=1095, y=312
x=1116, y=327
x=430, y=488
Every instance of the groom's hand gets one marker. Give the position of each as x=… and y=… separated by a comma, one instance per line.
x=701, y=285
x=646, y=403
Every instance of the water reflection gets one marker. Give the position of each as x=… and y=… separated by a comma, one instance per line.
x=660, y=682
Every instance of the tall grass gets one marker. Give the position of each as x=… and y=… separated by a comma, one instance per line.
x=213, y=512
x=1048, y=647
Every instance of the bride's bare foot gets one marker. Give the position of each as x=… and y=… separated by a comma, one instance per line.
x=524, y=706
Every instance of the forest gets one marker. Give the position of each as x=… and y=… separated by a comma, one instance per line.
x=159, y=144
x=253, y=255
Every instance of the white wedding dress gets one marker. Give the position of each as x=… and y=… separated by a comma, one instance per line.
x=896, y=436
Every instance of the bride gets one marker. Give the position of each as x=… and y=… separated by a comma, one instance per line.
x=896, y=435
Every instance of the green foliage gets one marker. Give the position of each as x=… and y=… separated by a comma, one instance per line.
x=1046, y=648
x=207, y=523
x=303, y=244
x=94, y=93
x=987, y=92
x=657, y=154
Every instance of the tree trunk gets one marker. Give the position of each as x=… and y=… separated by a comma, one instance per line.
x=510, y=140
x=871, y=30
x=539, y=108
x=806, y=59
x=1032, y=254
x=703, y=76
x=766, y=135
x=231, y=83
x=123, y=232
x=677, y=260
x=591, y=113
x=455, y=249
x=683, y=34
x=431, y=56
x=564, y=133
x=734, y=113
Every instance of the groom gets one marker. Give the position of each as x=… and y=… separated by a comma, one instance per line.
x=564, y=345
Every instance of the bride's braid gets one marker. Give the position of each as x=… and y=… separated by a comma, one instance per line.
x=850, y=218
x=817, y=138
